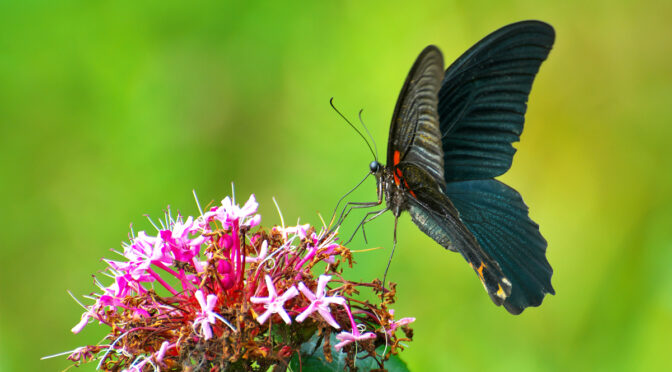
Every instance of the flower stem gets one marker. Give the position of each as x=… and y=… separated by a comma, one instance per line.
x=163, y=282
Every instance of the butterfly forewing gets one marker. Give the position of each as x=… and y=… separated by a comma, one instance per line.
x=414, y=132
x=483, y=99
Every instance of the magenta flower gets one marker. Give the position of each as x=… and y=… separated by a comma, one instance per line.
x=206, y=316
x=180, y=244
x=245, y=216
x=274, y=303
x=148, y=249
x=319, y=302
x=318, y=245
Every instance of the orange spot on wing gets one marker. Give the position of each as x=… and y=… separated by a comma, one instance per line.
x=397, y=176
x=409, y=189
x=396, y=158
x=500, y=292
x=480, y=270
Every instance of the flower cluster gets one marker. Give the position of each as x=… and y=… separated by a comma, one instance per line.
x=218, y=292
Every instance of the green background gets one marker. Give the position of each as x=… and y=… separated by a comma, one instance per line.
x=112, y=109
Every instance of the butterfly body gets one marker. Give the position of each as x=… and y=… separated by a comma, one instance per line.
x=450, y=135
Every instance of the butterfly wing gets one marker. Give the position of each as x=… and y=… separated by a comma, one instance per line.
x=415, y=156
x=497, y=216
x=433, y=212
x=414, y=132
x=482, y=104
x=483, y=99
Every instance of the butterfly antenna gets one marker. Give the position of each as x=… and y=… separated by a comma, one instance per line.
x=331, y=102
x=369, y=133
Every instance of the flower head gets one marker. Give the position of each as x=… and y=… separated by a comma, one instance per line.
x=226, y=277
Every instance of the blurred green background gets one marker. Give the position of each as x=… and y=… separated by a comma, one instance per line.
x=112, y=110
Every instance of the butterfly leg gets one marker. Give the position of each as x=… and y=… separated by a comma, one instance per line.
x=349, y=206
x=394, y=246
x=366, y=219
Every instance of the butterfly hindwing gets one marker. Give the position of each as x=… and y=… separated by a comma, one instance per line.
x=436, y=216
x=483, y=99
x=497, y=216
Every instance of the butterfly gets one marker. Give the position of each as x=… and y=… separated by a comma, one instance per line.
x=451, y=134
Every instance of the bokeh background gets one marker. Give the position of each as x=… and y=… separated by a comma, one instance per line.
x=110, y=110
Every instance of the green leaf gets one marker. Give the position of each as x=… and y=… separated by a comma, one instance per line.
x=315, y=361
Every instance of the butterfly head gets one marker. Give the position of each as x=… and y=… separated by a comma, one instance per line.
x=375, y=167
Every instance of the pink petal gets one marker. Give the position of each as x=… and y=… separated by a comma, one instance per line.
x=262, y=318
x=271, y=288
x=250, y=207
x=327, y=316
x=207, y=331
x=82, y=323
x=289, y=293
x=284, y=316
x=309, y=310
x=321, y=284
x=162, y=351
x=306, y=292
x=200, y=298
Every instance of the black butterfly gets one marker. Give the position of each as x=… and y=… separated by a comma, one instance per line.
x=450, y=136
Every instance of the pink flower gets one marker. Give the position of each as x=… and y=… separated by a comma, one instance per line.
x=399, y=323
x=320, y=302
x=84, y=321
x=300, y=230
x=229, y=211
x=206, y=316
x=262, y=253
x=131, y=270
x=347, y=337
x=274, y=303
x=325, y=247
x=180, y=244
x=144, y=251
